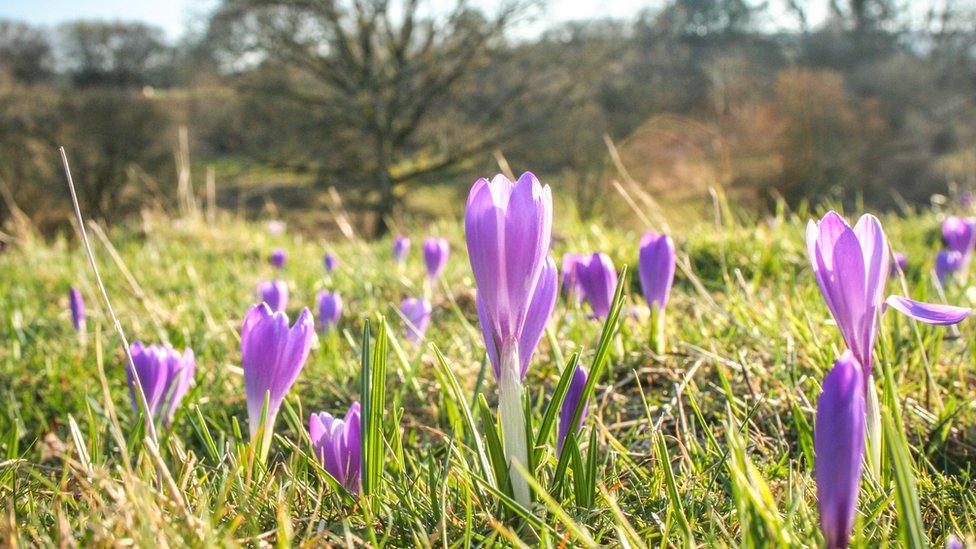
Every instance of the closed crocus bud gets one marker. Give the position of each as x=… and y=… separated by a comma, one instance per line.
x=274, y=293
x=571, y=284
x=77, y=305
x=598, y=278
x=959, y=235
x=401, y=247
x=436, y=251
x=838, y=442
x=337, y=444
x=568, y=408
x=164, y=375
x=947, y=263
x=508, y=228
x=899, y=262
x=330, y=309
x=655, y=265
x=272, y=356
x=416, y=311
x=331, y=262
x=278, y=258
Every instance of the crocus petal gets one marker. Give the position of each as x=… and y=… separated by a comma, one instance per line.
x=839, y=448
x=598, y=278
x=274, y=293
x=568, y=408
x=528, y=225
x=77, y=305
x=929, y=313
x=491, y=345
x=540, y=307
x=947, y=262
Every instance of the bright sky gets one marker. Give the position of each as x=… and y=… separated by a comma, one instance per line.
x=175, y=15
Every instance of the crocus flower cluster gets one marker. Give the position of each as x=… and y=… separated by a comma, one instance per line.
x=508, y=229
x=330, y=309
x=959, y=237
x=278, y=258
x=164, y=375
x=598, y=279
x=436, y=251
x=337, y=443
x=77, y=305
x=416, y=311
x=272, y=356
x=274, y=293
x=401, y=247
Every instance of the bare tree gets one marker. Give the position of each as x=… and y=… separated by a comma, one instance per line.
x=386, y=71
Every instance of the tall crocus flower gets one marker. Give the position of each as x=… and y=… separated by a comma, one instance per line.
x=568, y=408
x=436, y=251
x=655, y=265
x=416, y=311
x=164, y=375
x=851, y=267
x=77, y=305
x=401, y=247
x=508, y=227
x=272, y=356
x=278, y=258
x=338, y=445
x=947, y=262
x=571, y=284
x=838, y=442
x=598, y=278
x=959, y=235
x=331, y=262
x=330, y=309
x=274, y=293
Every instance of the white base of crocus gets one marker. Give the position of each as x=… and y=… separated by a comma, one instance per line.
x=512, y=417
x=872, y=429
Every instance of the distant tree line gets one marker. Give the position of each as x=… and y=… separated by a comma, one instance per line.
x=377, y=97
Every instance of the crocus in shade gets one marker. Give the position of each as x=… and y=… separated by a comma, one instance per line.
x=436, y=251
x=278, y=258
x=330, y=262
x=508, y=229
x=959, y=235
x=274, y=293
x=571, y=284
x=77, y=305
x=338, y=445
x=164, y=375
x=838, y=442
x=598, y=278
x=947, y=262
x=401, y=247
x=330, y=309
x=416, y=311
x=272, y=356
x=568, y=408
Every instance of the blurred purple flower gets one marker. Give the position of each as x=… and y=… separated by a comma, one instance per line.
x=953, y=542
x=77, y=305
x=508, y=229
x=338, y=445
x=331, y=262
x=571, y=284
x=959, y=235
x=164, y=375
x=947, y=262
x=417, y=313
x=568, y=408
x=401, y=247
x=278, y=258
x=839, y=449
x=598, y=278
x=272, y=356
x=274, y=293
x=900, y=262
x=655, y=265
x=330, y=309
x=436, y=251
x=276, y=227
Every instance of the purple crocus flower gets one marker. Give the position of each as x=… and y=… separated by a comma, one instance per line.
x=77, y=305
x=899, y=264
x=508, y=228
x=416, y=310
x=655, y=264
x=851, y=267
x=272, y=356
x=331, y=262
x=947, y=262
x=959, y=235
x=330, y=309
x=598, y=278
x=274, y=293
x=401, y=247
x=436, y=251
x=164, y=375
x=568, y=408
x=278, y=258
x=571, y=283
x=338, y=445
x=953, y=542
x=838, y=442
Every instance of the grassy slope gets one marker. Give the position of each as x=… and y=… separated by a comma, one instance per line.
x=751, y=341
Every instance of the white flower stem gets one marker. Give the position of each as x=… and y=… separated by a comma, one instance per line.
x=658, y=341
x=512, y=416
x=872, y=429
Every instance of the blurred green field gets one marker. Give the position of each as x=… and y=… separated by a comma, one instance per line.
x=732, y=401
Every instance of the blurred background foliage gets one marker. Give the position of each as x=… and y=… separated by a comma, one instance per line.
x=397, y=105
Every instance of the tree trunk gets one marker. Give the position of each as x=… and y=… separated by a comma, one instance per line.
x=384, y=206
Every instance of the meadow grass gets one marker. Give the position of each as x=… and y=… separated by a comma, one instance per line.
x=707, y=445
